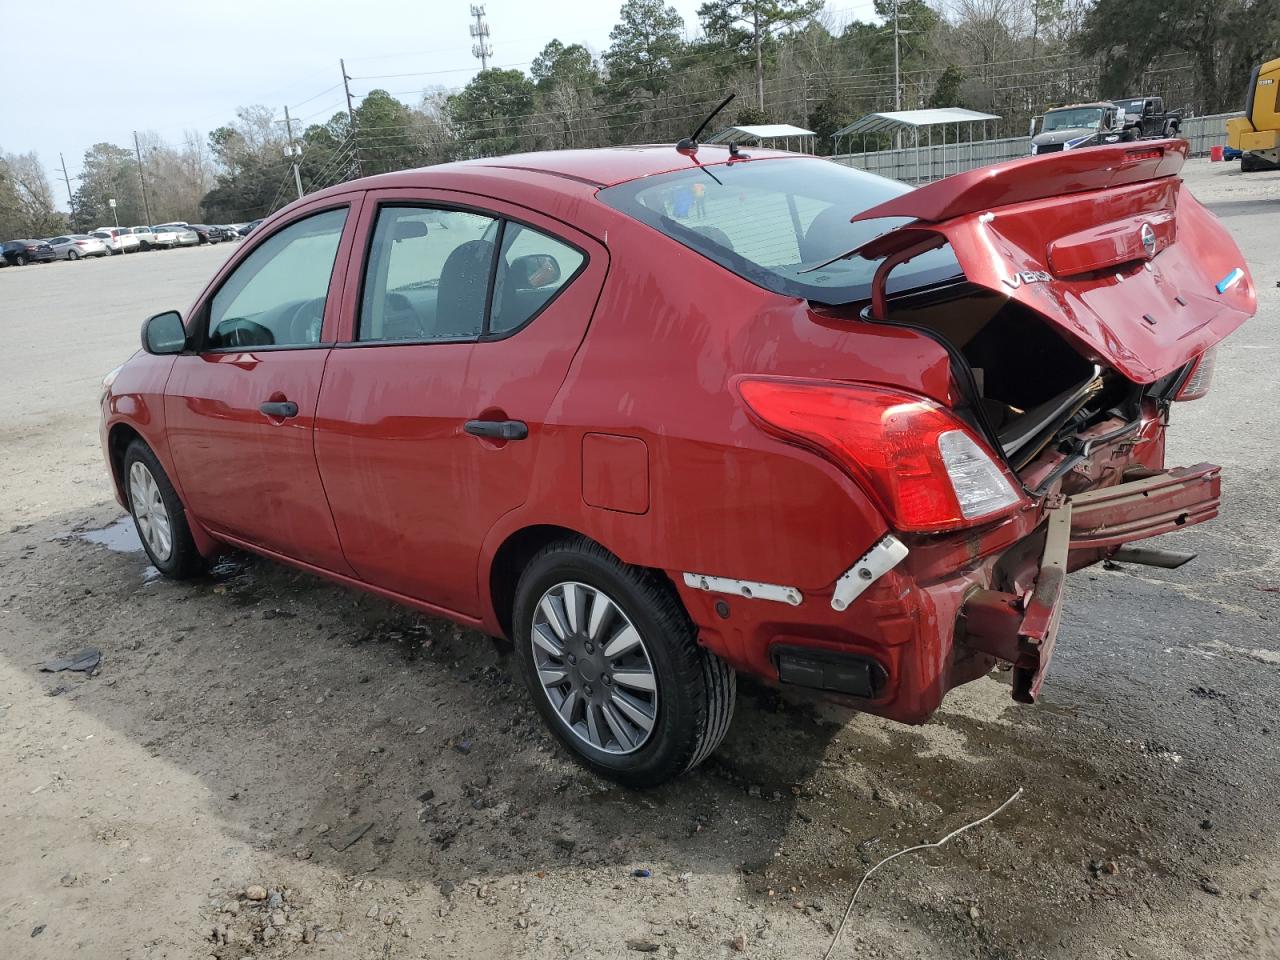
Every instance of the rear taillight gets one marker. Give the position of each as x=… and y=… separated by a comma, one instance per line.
x=1198, y=381
x=922, y=465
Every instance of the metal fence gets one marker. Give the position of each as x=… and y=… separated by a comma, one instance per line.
x=931, y=162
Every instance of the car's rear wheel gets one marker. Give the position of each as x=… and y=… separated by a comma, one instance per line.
x=158, y=514
x=612, y=662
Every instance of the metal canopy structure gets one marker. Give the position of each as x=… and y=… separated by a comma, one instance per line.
x=898, y=122
x=767, y=135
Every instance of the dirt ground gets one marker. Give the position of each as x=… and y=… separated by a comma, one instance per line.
x=268, y=765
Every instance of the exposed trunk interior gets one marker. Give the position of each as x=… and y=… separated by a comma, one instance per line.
x=1033, y=389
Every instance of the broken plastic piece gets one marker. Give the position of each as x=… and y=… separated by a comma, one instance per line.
x=84, y=661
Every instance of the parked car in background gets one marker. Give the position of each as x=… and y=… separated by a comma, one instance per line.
x=857, y=452
x=118, y=239
x=19, y=253
x=186, y=236
x=205, y=233
x=1148, y=117
x=166, y=238
x=77, y=245
x=229, y=231
x=147, y=239
x=249, y=227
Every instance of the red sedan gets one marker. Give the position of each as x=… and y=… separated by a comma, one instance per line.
x=661, y=415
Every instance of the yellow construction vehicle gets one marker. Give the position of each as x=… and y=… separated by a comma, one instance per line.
x=1257, y=133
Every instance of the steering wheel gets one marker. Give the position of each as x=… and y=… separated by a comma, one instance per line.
x=239, y=332
x=306, y=321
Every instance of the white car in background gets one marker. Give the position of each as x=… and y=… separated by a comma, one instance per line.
x=76, y=246
x=185, y=236
x=152, y=239
x=118, y=239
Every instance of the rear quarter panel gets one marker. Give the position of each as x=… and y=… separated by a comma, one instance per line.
x=668, y=336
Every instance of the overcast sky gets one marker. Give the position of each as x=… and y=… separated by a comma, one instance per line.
x=97, y=71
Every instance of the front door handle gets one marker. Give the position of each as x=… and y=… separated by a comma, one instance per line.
x=497, y=429
x=280, y=409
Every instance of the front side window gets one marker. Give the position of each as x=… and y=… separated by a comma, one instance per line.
x=276, y=296
x=777, y=223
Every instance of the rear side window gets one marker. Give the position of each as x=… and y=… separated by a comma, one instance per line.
x=533, y=268
x=436, y=274
x=276, y=296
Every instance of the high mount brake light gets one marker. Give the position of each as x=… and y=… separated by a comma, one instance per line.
x=922, y=465
x=1197, y=383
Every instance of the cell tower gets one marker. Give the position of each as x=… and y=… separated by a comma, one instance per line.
x=481, y=49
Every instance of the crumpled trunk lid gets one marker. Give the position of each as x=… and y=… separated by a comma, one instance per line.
x=1102, y=242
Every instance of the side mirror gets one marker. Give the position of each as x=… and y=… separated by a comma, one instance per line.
x=164, y=333
x=534, y=270
x=1031, y=129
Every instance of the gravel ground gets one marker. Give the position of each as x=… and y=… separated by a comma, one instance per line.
x=265, y=764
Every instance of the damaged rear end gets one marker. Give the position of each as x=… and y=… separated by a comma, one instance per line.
x=1094, y=292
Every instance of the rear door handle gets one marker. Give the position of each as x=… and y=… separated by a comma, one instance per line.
x=281, y=409
x=497, y=429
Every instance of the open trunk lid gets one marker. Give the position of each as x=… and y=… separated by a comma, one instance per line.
x=1102, y=242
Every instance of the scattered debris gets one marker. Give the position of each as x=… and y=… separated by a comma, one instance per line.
x=341, y=843
x=835, y=939
x=83, y=662
x=255, y=892
x=642, y=946
x=641, y=872
x=1208, y=886
x=39, y=929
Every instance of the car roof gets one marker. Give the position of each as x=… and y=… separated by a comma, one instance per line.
x=601, y=167
x=1092, y=103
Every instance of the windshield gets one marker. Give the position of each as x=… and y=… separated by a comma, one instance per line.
x=1069, y=119
x=771, y=221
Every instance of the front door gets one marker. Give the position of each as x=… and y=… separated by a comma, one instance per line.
x=240, y=409
x=431, y=413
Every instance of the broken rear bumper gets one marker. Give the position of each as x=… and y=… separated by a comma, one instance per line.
x=1021, y=628
x=1107, y=517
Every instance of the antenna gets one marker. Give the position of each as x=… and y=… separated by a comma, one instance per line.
x=482, y=50
x=690, y=144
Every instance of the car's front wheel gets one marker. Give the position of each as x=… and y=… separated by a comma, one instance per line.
x=73, y=255
x=612, y=662
x=158, y=515
x=19, y=261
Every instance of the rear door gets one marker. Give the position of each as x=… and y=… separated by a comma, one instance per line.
x=462, y=322
x=241, y=408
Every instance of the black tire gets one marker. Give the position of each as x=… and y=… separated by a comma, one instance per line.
x=695, y=689
x=183, y=560
x=73, y=254
x=19, y=261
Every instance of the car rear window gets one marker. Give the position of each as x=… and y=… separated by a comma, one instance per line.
x=773, y=221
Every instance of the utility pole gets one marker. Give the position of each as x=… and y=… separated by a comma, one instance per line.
x=481, y=49
x=294, y=151
x=759, y=45
x=71, y=200
x=897, y=68
x=351, y=113
x=146, y=206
